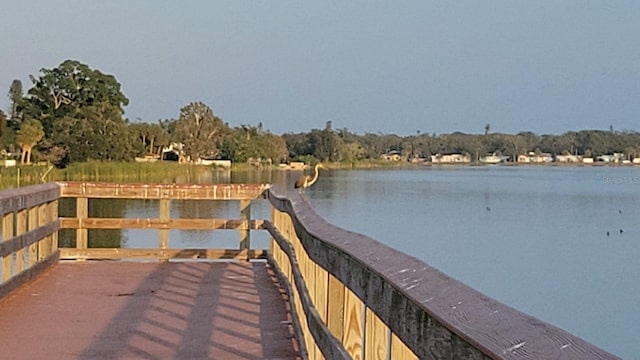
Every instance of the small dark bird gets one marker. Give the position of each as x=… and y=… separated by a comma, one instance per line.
x=621, y=231
x=607, y=233
x=619, y=211
x=305, y=181
x=488, y=208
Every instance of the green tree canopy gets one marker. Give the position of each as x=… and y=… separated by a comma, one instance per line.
x=200, y=131
x=81, y=112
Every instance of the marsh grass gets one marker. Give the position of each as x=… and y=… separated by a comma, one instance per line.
x=19, y=176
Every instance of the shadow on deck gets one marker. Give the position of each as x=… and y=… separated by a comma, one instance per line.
x=182, y=310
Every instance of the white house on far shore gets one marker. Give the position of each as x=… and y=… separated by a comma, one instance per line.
x=450, y=158
x=534, y=158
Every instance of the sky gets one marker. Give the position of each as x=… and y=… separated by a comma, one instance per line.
x=393, y=67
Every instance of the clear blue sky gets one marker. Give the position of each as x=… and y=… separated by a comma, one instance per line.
x=368, y=66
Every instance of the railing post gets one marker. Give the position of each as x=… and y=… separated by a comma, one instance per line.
x=165, y=216
x=7, y=233
x=43, y=219
x=82, y=212
x=53, y=212
x=245, y=233
x=32, y=224
x=21, y=228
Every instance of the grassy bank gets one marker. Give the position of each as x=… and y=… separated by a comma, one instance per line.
x=101, y=171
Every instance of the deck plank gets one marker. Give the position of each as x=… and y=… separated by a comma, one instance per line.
x=135, y=310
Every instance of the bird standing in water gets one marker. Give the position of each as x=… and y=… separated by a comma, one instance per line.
x=305, y=181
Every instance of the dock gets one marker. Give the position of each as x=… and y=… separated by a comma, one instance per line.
x=317, y=292
x=143, y=310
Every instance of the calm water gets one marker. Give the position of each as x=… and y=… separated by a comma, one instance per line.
x=534, y=238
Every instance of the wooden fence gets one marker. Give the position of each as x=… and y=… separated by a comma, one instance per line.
x=357, y=298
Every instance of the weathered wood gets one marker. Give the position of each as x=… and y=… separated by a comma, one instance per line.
x=165, y=216
x=32, y=224
x=27, y=275
x=27, y=197
x=82, y=213
x=126, y=253
x=169, y=224
x=21, y=228
x=53, y=209
x=162, y=191
x=43, y=251
x=435, y=315
x=307, y=317
x=7, y=235
x=245, y=217
x=28, y=238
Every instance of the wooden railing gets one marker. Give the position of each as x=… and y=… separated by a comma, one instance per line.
x=164, y=194
x=356, y=298
x=29, y=233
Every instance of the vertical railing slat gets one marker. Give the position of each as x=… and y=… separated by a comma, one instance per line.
x=7, y=234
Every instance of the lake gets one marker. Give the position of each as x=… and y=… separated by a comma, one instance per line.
x=559, y=243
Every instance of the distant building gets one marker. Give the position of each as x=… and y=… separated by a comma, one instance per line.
x=568, y=158
x=612, y=158
x=450, y=158
x=534, y=158
x=493, y=159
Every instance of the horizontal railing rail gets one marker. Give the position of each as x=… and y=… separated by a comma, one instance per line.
x=379, y=303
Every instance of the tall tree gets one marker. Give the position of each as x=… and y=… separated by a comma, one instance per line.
x=81, y=113
x=30, y=133
x=64, y=90
x=15, y=97
x=200, y=131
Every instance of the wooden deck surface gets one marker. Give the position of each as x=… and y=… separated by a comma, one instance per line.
x=129, y=310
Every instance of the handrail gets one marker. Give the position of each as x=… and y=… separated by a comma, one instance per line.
x=420, y=308
x=29, y=233
x=164, y=194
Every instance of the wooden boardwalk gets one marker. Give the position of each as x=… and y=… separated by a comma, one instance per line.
x=135, y=310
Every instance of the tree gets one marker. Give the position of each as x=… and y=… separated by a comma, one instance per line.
x=81, y=113
x=65, y=90
x=15, y=97
x=200, y=131
x=30, y=133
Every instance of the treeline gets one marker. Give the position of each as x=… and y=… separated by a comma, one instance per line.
x=73, y=113
x=341, y=145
